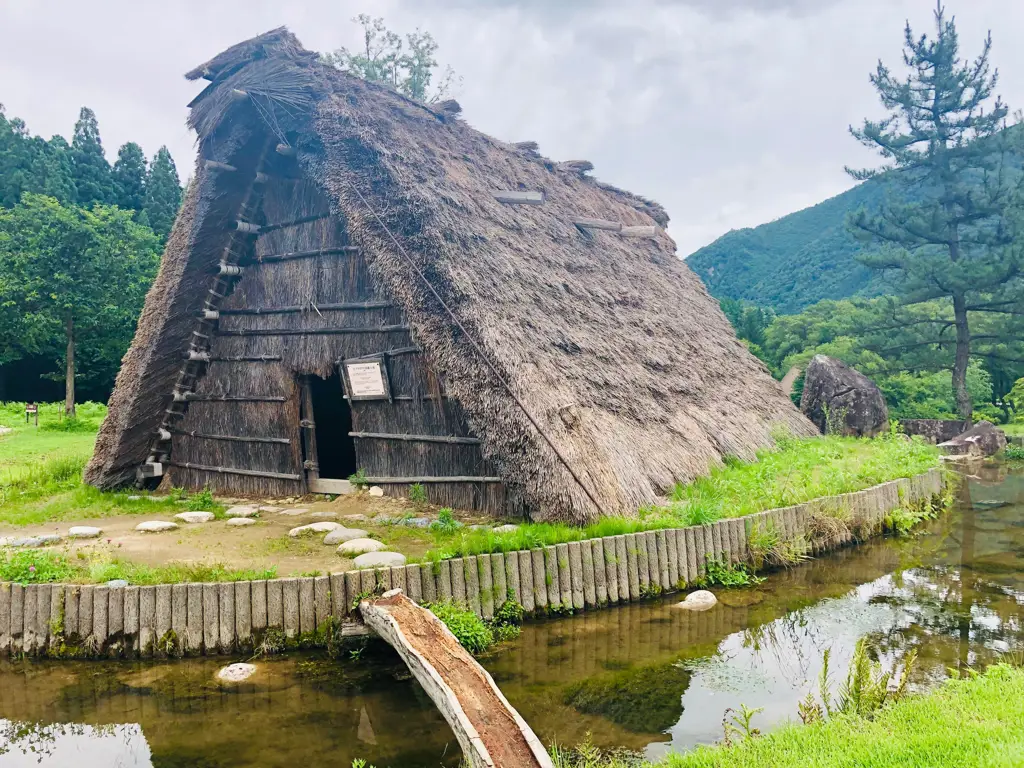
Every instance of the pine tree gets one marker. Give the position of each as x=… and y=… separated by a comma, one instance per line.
x=52, y=171
x=163, y=193
x=947, y=226
x=130, y=177
x=93, y=178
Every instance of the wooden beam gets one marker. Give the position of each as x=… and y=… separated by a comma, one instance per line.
x=210, y=314
x=284, y=149
x=247, y=227
x=431, y=479
x=272, y=257
x=520, y=197
x=246, y=359
x=610, y=226
x=453, y=439
x=198, y=356
x=191, y=398
x=651, y=231
x=163, y=435
x=390, y=352
x=229, y=270
x=340, y=307
x=235, y=471
x=239, y=95
x=213, y=165
x=294, y=222
x=310, y=331
x=233, y=438
x=151, y=469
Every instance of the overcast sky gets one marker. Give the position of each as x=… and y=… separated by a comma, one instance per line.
x=728, y=112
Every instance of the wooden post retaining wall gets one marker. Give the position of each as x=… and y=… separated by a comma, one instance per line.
x=96, y=621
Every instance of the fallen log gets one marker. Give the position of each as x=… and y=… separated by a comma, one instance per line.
x=491, y=733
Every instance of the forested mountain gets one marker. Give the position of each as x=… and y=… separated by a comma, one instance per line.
x=792, y=262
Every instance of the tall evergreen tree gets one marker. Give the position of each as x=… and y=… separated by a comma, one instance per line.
x=93, y=177
x=52, y=171
x=947, y=226
x=130, y=177
x=163, y=193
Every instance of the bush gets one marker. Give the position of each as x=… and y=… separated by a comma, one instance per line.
x=468, y=628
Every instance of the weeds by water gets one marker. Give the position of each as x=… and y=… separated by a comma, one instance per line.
x=767, y=547
x=717, y=573
x=474, y=633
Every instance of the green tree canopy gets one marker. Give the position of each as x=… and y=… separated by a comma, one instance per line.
x=93, y=177
x=31, y=164
x=163, y=193
x=130, y=177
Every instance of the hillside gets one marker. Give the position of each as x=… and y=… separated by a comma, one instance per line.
x=794, y=261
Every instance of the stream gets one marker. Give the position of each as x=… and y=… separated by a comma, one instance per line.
x=645, y=677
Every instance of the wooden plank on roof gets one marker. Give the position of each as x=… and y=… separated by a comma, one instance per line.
x=272, y=257
x=294, y=222
x=311, y=331
x=651, y=231
x=430, y=479
x=520, y=197
x=453, y=439
x=338, y=307
x=610, y=226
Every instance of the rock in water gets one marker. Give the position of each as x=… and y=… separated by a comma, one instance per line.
x=359, y=546
x=321, y=527
x=341, y=535
x=236, y=673
x=84, y=532
x=983, y=439
x=840, y=400
x=379, y=560
x=701, y=600
x=155, y=526
x=194, y=517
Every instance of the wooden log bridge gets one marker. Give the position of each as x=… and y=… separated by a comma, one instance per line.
x=491, y=733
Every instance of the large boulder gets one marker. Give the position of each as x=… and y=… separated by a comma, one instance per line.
x=840, y=400
x=934, y=430
x=983, y=439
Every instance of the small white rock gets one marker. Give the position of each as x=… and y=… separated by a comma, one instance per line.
x=379, y=560
x=84, y=532
x=269, y=508
x=701, y=600
x=507, y=528
x=236, y=673
x=294, y=512
x=322, y=527
x=133, y=498
x=359, y=546
x=238, y=522
x=244, y=511
x=155, y=526
x=377, y=491
x=325, y=515
x=194, y=517
x=341, y=535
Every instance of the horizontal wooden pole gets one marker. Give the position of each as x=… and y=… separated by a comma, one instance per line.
x=520, y=197
x=213, y=165
x=246, y=359
x=432, y=479
x=247, y=227
x=340, y=307
x=610, y=226
x=310, y=331
x=233, y=438
x=235, y=471
x=389, y=352
x=285, y=149
x=453, y=439
x=235, y=398
x=294, y=222
x=275, y=257
x=651, y=231
x=239, y=95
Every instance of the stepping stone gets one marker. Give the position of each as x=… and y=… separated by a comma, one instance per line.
x=236, y=673
x=376, y=491
x=245, y=511
x=29, y=542
x=269, y=508
x=322, y=527
x=84, y=532
x=325, y=515
x=359, y=546
x=239, y=522
x=357, y=518
x=117, y=583
x=294, y=512
x=416, y=522
x=507, y=528
x=701, y=600
x=155, y=526
x=341, y=535
x=194, y=517
x=379, y=560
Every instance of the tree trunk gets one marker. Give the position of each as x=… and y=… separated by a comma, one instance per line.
x=69, y=368
x=962, y=358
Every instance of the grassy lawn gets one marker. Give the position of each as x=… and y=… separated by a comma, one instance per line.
x=1013, y=429
x=964, y=723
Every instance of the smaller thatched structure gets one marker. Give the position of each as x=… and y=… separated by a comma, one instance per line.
x=359, y=282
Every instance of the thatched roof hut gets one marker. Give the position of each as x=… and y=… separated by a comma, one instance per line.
x=510, y=333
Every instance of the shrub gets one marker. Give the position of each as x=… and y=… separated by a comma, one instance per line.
x=468, y=628
x=1015, y=452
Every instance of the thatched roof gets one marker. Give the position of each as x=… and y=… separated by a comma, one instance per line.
x=612, y=343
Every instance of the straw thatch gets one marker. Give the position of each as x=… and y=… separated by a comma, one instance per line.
x=613, y=345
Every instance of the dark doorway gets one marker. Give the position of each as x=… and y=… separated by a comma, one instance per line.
x=335, y=450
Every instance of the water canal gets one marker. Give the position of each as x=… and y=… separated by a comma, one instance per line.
x=644, y=677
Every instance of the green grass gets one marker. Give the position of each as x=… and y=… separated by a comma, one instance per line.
x=797, y=470
x=1016, y=428
x=963, y=723
x=42, y=566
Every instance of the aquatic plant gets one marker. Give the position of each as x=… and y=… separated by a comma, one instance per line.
x=737, y=723
x=767, y=548
x=726, y=575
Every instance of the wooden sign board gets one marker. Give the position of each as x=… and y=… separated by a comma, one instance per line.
x=366, y=379
x=31, y=408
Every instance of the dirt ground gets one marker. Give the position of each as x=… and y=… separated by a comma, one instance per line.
x=258, y=546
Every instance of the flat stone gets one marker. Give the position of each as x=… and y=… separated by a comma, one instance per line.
x=416, y=522
x=48, y=538
x=507, y=528
x=376, y=491
x=29, y=542
x=269, y=508
x=341, y=535
x=117, y=583
x=242, y=511
x=84, y=532
x=989, y=504
x=357, y=518
x=359, y=546
x=236, y=673
x=238, y=522
x=156, y=526
x=379, y=560
x=325, y=515
x=194, y=517
x=294, y=512
x=701, y=600
x=321, y=527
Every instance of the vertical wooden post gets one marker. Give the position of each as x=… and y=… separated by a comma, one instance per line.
x=307, y=424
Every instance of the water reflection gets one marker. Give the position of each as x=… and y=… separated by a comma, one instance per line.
x=645, y=677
